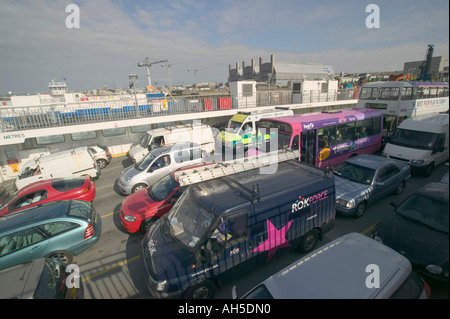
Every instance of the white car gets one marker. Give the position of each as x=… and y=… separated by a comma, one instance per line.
x=102, y=156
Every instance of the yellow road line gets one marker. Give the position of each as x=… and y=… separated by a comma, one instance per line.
x=120, y=264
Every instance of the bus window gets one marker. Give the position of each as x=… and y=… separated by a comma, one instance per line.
x=330, y=133
x=433, y=92
x=388, y=93
x=374, y=94
x=347, y=131
x=365, y=93
x=407, y=93
x=308, y=150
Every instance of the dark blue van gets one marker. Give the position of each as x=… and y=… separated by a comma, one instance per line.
x=221, y=228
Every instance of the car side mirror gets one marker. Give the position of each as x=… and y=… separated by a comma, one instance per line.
x=379, y=184
x=234, y=294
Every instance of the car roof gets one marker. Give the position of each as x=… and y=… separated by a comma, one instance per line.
x=34, y=214
x=339, y=270
x=219, y=194
x=370, y=160
x=21, y=279
x=179, y=146
x=435, y=190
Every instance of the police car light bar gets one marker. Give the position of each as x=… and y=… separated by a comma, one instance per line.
x=200, y=174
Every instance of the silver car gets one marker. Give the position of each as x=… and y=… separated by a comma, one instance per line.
x=363, y=179
x=102, y=156
x=156, y=164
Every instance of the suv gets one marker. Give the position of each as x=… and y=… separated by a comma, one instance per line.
x=158, y=163
x=58, y=230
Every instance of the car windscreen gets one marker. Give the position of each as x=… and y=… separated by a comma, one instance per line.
x=355, y=173
x=144, y=163
x=428, y=211
x=162, y=188
x=81, y=209
x=259, y=292
x=67, y=184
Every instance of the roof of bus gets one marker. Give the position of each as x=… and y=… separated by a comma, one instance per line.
x=324, y=115
x=403, y=84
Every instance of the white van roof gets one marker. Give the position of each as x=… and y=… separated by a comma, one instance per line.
x=337, y=270
x=56, y=155
x=174, y=129
x=433, y=123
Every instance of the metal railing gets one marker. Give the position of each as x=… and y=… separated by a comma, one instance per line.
x=61, y=114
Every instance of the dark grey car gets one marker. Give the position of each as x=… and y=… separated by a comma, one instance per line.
x=363, y=179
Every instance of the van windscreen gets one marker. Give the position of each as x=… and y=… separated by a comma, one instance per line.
x=414, y=139
x=189, y=221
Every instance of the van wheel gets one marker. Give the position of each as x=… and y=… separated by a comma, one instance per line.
x=204, y=290
x=428, y=170
x=147, y=223
x=360, y=210
x=309, y=241
x=101, y=163
x=61, y=256
x=138, y=187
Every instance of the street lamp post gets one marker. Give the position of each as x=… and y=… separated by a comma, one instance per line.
x=269, y=76
x=133, y=78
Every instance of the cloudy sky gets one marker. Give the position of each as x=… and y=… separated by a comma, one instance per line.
x=36, y=46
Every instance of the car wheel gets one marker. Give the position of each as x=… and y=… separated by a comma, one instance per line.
x=309, y=241
x=61, y=256
x=102, y=163
x=400, y=188
x=138, y=187
x=147, y=223
x=428, y=170
x=204, y=290
x=360, y=210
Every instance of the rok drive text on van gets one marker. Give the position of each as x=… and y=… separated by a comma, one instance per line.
x=422, y=142
x=196, y=133
x=71, y=163
x=222, y=227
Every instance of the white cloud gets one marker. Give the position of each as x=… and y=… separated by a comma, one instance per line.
x=115, y=35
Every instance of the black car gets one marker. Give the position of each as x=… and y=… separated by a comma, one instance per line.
x=418, y=229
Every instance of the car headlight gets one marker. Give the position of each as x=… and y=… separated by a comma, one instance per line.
x=345, y=203
x=161, y=285
x=129, y=218
x=417, y=162
x=434, y=269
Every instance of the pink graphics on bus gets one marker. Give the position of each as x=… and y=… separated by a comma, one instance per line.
x=327, y=138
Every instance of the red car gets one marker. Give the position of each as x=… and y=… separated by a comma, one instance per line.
x=49, y=190
x=140, y=209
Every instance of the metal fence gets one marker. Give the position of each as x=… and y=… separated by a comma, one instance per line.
x=62, y=114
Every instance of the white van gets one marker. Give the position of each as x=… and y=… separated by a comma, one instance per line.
x=76, y=162
x=352, y=266
x=420, y=141
x=194, y=133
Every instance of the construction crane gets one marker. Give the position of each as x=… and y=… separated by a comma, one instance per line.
x=425, y=74
x=148, y=64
